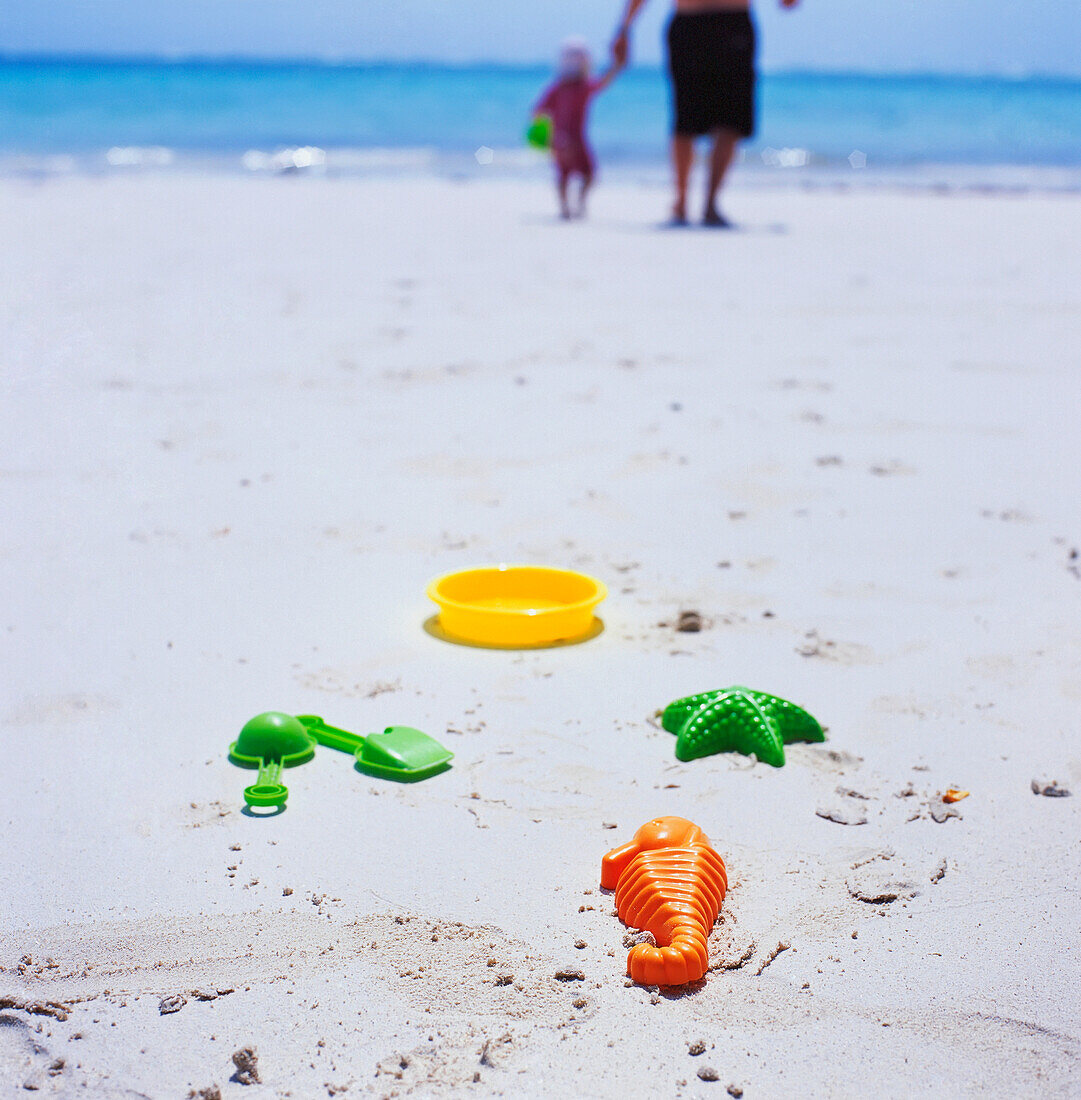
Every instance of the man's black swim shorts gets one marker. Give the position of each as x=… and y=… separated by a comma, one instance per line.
x=711, y=61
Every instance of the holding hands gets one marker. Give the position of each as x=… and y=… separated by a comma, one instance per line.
x=621, y=44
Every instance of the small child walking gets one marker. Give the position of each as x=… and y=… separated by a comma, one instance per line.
x=566, y=103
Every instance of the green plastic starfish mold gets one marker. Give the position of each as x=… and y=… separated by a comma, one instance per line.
x=737, y=719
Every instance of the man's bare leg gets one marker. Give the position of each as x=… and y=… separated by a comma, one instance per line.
x=682, y=162
x=724, y=149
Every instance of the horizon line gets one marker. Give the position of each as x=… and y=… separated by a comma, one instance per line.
x=361, y=62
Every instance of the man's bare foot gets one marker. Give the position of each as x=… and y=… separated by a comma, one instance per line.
x=565, y=213
x=716, y=220
x=679, y=215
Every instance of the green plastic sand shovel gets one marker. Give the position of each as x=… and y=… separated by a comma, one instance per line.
x=400, y=752
x=271, y=742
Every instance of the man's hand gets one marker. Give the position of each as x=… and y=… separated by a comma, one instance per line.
x=621, y=48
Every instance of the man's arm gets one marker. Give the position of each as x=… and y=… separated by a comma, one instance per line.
x=630, y=14
x=621, y=44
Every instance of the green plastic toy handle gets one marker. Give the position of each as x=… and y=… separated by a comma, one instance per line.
x=268, y=789
x=330, y=736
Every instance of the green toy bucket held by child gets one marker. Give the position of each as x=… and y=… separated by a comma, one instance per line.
x=274, y=741
x=539, y=133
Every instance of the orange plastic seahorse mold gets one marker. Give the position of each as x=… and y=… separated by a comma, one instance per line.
x=670, y=882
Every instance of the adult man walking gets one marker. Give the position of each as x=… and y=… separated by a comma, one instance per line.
x=711, y=63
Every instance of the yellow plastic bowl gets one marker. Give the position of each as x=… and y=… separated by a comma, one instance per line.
x=516, y=605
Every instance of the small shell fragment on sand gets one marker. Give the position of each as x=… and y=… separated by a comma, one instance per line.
x=1049, y=790
x=954, y=794
x=842, y=815
x=690, y=622
x=942, y=811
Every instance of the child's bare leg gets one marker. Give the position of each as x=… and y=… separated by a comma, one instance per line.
x=682, y=161
x=724, y=148
x=583, y=191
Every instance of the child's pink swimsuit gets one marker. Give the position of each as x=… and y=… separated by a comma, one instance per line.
x=567, y=103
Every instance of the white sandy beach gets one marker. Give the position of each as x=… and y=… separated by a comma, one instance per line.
x=245, y=422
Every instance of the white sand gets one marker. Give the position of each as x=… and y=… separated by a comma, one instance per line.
x=246, y=421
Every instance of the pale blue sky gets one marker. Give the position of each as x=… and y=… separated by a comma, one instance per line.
x=997, y=36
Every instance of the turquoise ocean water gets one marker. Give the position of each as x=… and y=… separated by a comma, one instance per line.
x=82, y=114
